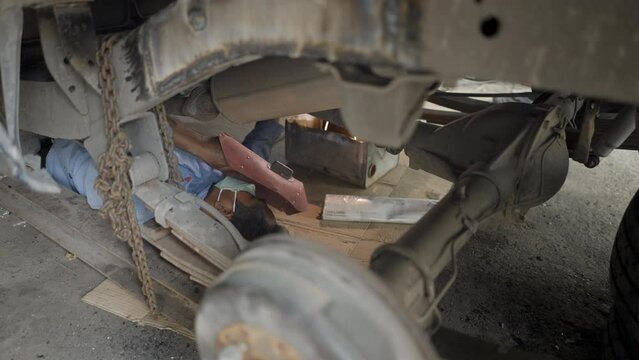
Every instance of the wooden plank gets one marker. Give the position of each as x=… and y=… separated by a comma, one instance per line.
x=317, y=185
x=187, y=227
x=152, y=231
x=364, y=249
x=98, y=256
x=171, y=245
x=342, y=236
x=319, y=225
x=202, y=281
x=311, y=219
x=393, y=177
x=334, y=241
x=359, y=240
x=192, y=226
x=414, y=184
x=176, y=252
x=188, y=266
x=73, y=211
x=68, y=221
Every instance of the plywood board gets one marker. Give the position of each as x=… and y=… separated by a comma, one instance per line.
x=67, y=220
x=111, y=297
x=187, y=267
x=359, y=240
x=152, y=231
x=202, y=281
x=177, y=253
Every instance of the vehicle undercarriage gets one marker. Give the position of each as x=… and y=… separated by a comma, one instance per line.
x=377, y=62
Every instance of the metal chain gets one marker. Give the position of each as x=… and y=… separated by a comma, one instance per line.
x=167, y=143
x=113, y=182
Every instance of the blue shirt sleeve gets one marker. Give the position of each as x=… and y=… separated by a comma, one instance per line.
x=70, y=164
x=198, y=177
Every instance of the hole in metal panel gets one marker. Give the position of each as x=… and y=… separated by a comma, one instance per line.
x=490, y=27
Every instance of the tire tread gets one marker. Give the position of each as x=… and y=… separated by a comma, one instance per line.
x=622, y=335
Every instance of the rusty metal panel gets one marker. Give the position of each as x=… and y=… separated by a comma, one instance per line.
x=357, y=162
x=583, y=46
x=190, y=41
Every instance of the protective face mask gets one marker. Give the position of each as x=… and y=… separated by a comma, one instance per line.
x=234, y=185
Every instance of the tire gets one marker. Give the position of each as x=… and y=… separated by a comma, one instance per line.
x=622, y=335
x=614, y=347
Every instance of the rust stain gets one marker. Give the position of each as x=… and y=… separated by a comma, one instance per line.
x=260, y=345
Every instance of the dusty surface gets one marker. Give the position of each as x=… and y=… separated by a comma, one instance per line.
x=42, y=317
x=540, y=285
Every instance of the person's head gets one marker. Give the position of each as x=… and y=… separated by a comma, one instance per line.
x=250, y=215
x=254, y=221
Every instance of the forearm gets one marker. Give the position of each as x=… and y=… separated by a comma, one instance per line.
x=209, y=150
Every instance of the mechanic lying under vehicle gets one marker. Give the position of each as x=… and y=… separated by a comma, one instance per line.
x=205, y=173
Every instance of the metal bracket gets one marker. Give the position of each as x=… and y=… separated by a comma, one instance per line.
x=386, y=114
x=625, y=124
x=11, y=21
x=46, y=110
x=281, y=170
x=145, y=138
x=145, y=167
x=78, y=39
x=587, y=130
x=10, y=36
x=199, y=226
x=58, y=64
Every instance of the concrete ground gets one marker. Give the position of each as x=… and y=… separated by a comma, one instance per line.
x=42, y=316
x=540, y=285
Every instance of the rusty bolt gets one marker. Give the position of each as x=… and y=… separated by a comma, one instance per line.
x=197, y=19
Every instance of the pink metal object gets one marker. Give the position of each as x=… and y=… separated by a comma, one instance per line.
x=287, y=195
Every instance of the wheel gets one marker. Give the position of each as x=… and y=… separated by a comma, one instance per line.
x=622, y=335
x=289, y=299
